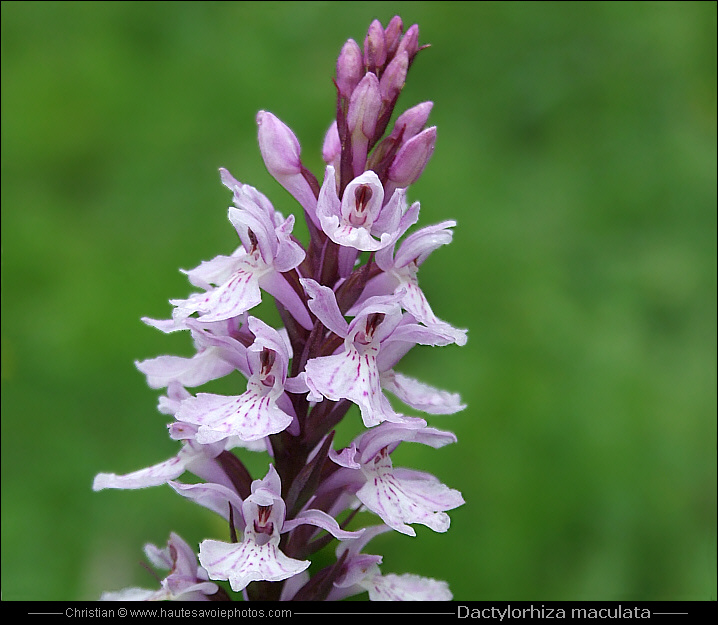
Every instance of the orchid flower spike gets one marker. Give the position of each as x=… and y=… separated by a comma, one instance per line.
x=274, y=388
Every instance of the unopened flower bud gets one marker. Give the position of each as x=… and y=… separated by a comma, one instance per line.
x=332, y=147
x=280, y=150
x=394, y=76
x=374, y=47
x=364, y=106
x=279, y=146
x=412, y=121
x=350, y=68
x=392, y=35
x=412, y=158
x=410, y=42
x=362, y=116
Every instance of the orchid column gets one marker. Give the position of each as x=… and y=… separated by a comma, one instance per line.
x=352, y=307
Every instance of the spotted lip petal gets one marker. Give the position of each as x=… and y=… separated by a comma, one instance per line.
x=246, y=562
x=352, y=376
x=249, y=416
x=403, y=496
x=237, y=295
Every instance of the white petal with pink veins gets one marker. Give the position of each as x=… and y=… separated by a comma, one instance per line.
x=246, y=562
x=249, y=416
x=352, y=376
x=406, y=587
x=421, y=396
x=404, y=496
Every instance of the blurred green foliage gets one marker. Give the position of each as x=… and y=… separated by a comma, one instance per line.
x=577, y=151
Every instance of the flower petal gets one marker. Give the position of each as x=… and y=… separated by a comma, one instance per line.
x=407, y=587
x=249, y=416
x=403, y=496
x=421, y=396
x=323, y=303
x=132, y=594
x=204, y=366
x=352, y=376
x=151, y=476
x=415, y=302
x=239, y=294
x=247, y=562
x=215, y=497
x=216, y=271
x=321, y=519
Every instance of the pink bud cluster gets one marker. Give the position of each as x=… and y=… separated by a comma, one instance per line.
x=368, y=87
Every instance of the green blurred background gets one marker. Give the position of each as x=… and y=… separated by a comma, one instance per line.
x=577, y=151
